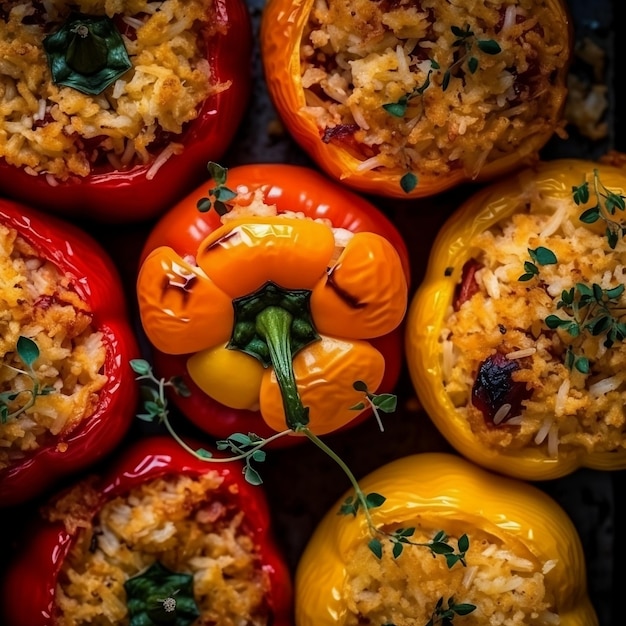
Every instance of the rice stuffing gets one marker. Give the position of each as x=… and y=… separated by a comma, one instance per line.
x=183, y=522
x=138, y=120
x=39, y=303
x=506, y=586
x=456, y=105
x=571, y=381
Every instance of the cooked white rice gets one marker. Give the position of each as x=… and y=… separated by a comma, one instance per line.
x=507, y=588
x=56, y=130
x=38, y=302
x=357, y=56
x=185, y=523
x=567, y=409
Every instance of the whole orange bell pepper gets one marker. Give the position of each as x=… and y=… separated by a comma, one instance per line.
x=579, y=343
x=275, y=315
x=446, y=498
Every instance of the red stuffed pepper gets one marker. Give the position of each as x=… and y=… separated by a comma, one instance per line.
x=110, y=114
x=281, y=234
x=162, y=538
x=67, y=394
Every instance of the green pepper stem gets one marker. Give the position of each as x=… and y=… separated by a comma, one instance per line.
x=274, y=324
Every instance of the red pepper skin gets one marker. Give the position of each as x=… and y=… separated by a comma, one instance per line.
x=291, y=188
x=29, y=584
x=116, y=196
x=97, y=281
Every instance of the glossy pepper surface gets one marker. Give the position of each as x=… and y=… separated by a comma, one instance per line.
x=29, y=586
x=283, y=29
x=553, y=183
x=96, y=281
x=351, y=309
x=129, y=195
x=446, y=492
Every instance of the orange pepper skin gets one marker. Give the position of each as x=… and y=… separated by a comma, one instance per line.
x=120, y=196
x=282, y=27
x=237, y=257
x=444, y=491
x=554, y=181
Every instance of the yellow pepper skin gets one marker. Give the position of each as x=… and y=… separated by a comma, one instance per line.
x=446, y=492
x=188, y=309
x=550, y=180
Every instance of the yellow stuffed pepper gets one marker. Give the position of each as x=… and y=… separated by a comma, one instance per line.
x=451, y=541
x=515, y=338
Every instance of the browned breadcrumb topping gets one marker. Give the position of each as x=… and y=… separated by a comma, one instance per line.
x=357, y=56
x=565, y=409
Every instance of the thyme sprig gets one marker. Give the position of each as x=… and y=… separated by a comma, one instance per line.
x=385, y=402
x=587, y=308
x=592, y=309
x=445, y=614
x=220, y=195
x=539, y=256
x=28, y=352
x=466, y=39
x=607, y=204
x=249, y=449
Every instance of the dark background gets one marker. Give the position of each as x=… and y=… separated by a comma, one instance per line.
x=301, y=483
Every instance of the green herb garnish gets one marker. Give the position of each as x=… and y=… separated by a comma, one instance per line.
x=87, y=53
x=607, y=203
x=218, y=196
x=445, y=614
x=587, y=308
x=28, y=352
x=465, y=38
x=592, y=309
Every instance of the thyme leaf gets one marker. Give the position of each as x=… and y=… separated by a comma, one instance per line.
x=444, y=614
x=28, y=352
x=220, y=195
x=539, y=256
x=607, y=203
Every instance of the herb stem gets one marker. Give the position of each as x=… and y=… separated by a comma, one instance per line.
x=246, y=454
x=347, y=471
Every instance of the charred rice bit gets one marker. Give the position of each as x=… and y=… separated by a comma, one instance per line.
x=567, y=409
x=181, y=521
x=38, y=302
x=506, y=585
x=358, y=55
x=63, y=133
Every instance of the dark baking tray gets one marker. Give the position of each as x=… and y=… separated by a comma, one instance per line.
x=302, y=483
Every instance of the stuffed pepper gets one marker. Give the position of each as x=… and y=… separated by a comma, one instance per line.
x=409, y=99
x=67, y=396
x=110, y=109
x=275, y=301
x=450, y=541
x=515, y=338
x=160, y=538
